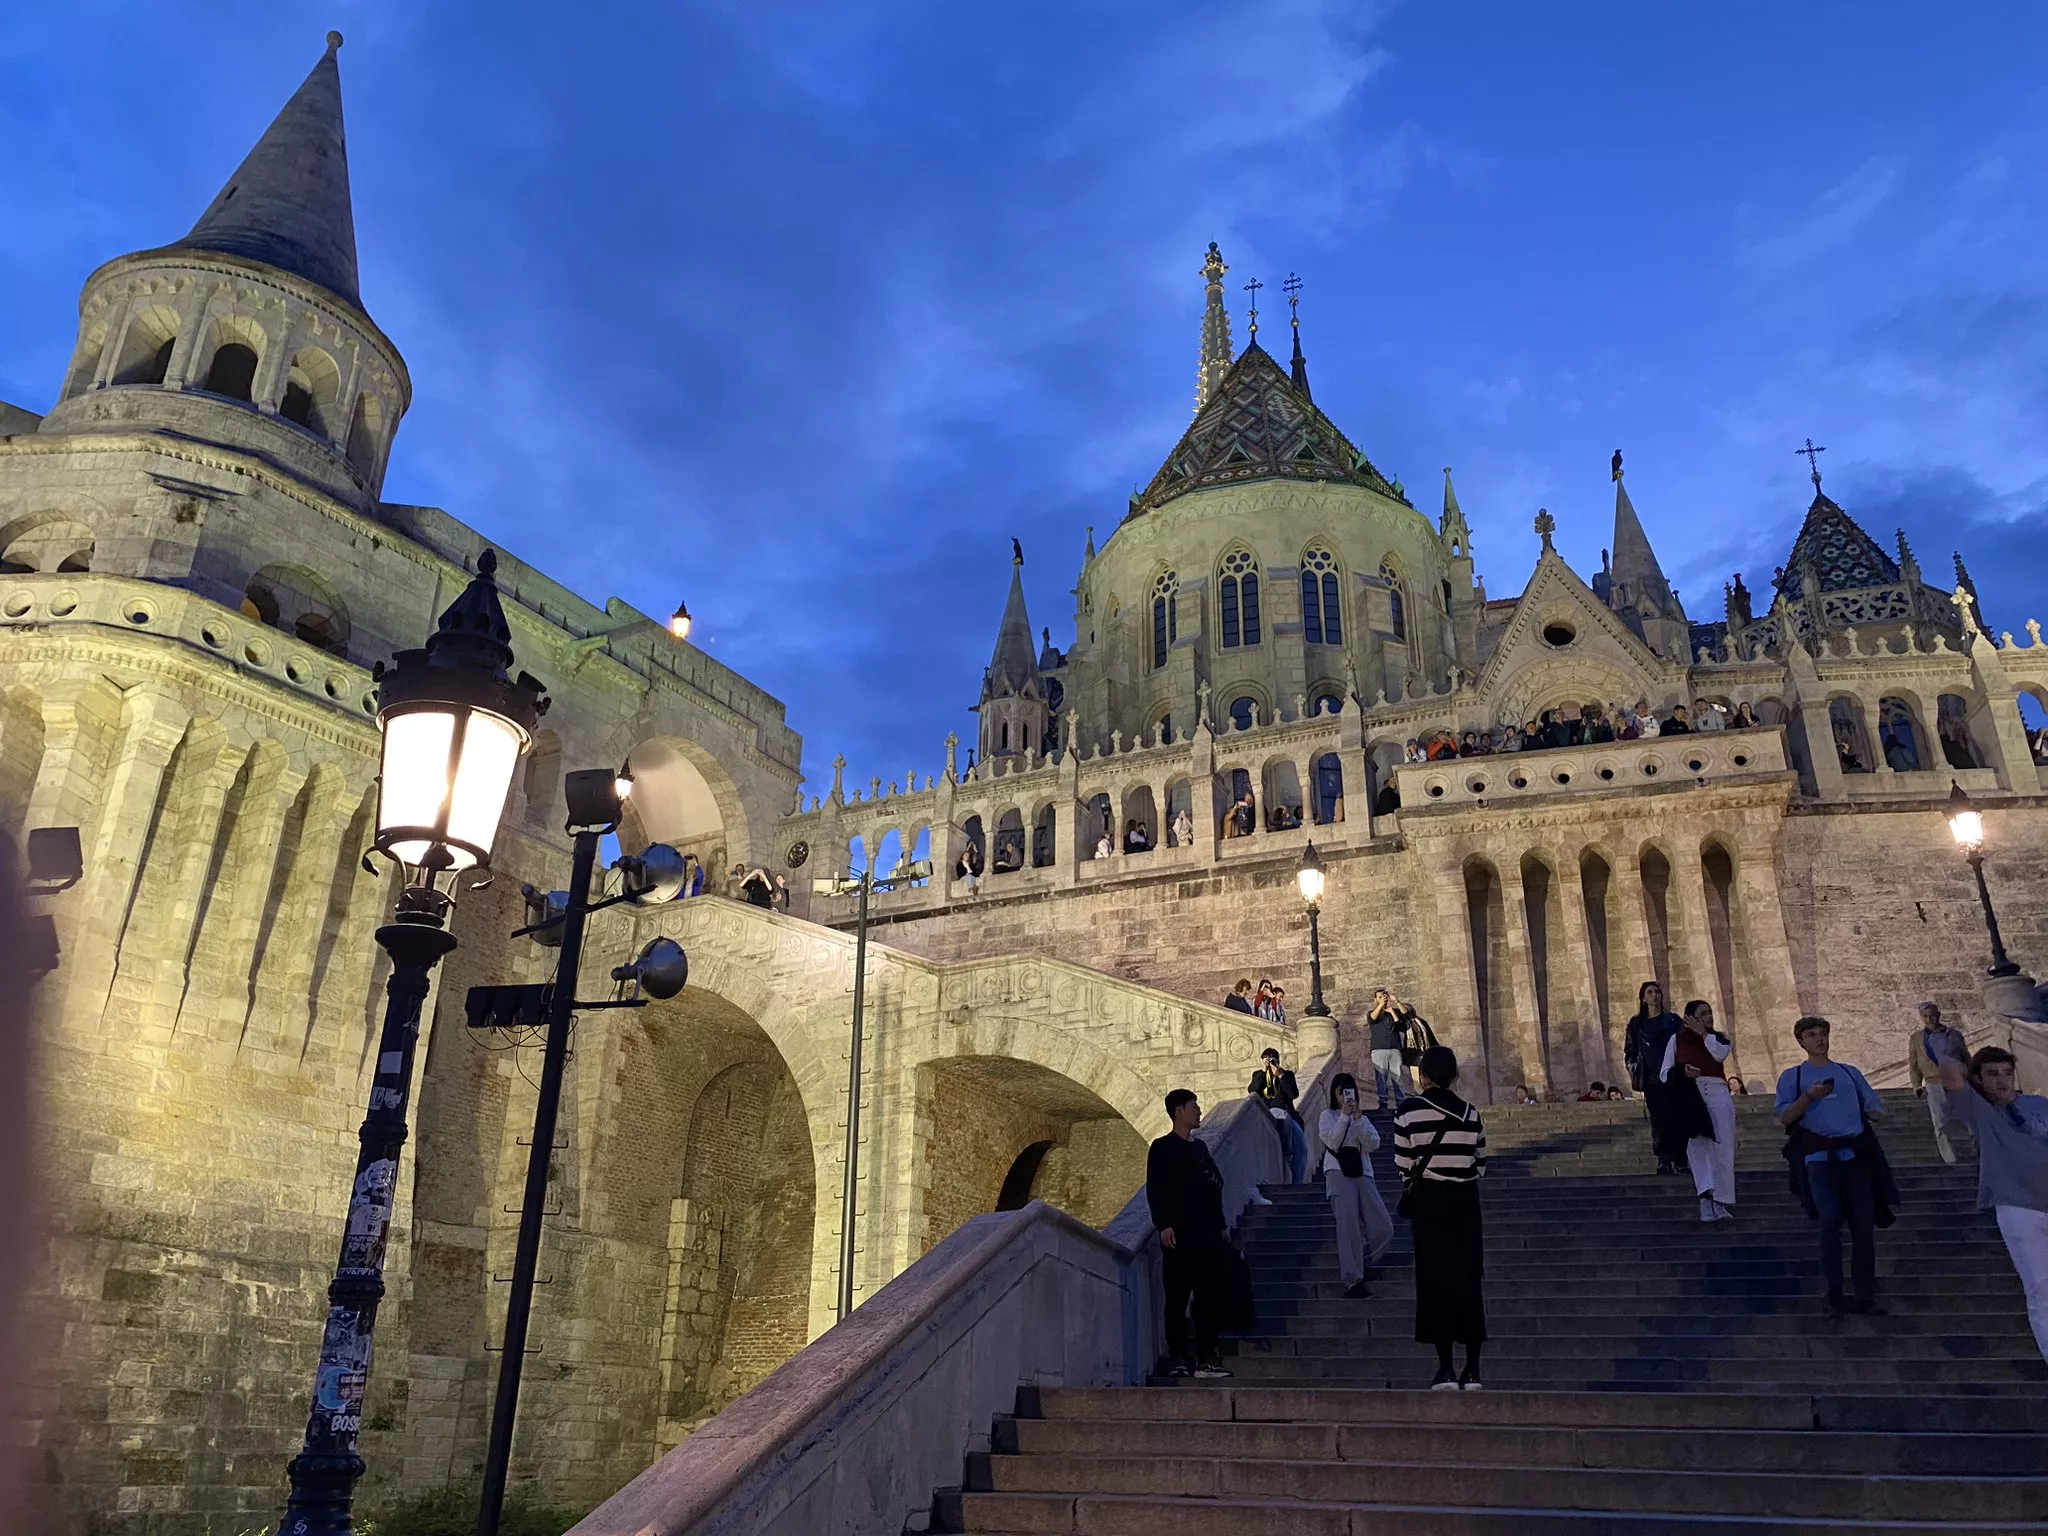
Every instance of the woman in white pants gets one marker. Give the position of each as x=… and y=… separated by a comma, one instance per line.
x=1699, y=1052
x=1363, y=1226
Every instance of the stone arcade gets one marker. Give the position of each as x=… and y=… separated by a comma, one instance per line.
x=199, y=571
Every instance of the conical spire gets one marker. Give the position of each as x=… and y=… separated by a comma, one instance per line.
x=287, y=205
x=1216, y=352
x=1453, y=528
x=1298, y=370
x=1635, y=576
x=1013, y=669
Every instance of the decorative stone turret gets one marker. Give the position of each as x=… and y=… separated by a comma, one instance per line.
x=250, y=331
x=1014, y=714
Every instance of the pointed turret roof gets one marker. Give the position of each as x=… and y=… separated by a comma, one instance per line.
x=1635, y=576
x=1258, y=426
x=1013, y=669
x=287, y=205
x=1215, y=330
x=1841, y=555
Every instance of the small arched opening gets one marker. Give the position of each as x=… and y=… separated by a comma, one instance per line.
x=1717, y=868
x=1596, y=878
x=44, y=543
x=1329, y=789
x=1140, y=822
x=231, y=373
x=296, y=600
x=1045, y=836
x=147, y=347
x=1236, y=807
x=365, y=435
x=1009, y=849
x=2033, y=707
x=1486, y=935
x=312, y=392
x=1898, y=735
x=1952, y=727
x=970, y=848
x=1282, y=786
x=85, y=362
x=889, y=858
x=1177, y=829
x=1852, y=741
x=1098, y=825
x=683, y=799
x=1244, y=712
x=1656, y=873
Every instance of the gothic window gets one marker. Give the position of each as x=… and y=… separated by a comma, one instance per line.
x=1447, y=597
x=1239, y=588
x=1322, y=621
x=1397, y=611
x=1243, y=711
x=1165, y=730
x=1165, y=622
x=1003, y=737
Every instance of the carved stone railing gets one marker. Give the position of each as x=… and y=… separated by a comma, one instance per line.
x=857, y=1431
x=123, y=606
x=1619, y=766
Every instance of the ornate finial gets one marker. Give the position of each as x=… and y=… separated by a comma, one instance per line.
x=1298, y=369
x=2033, y=633
x=1545, y=525
x=1614, y=467
x=1016, y=551
x=1350, y=676
x=839, y=779
x=1292, y=288
x=1089, y=554
x=1812, y=456
x=333, y=41
x=1965, y=605
x=1253, y=288
x=1215, y=361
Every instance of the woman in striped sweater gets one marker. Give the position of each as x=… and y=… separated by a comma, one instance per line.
x=1440, y=1151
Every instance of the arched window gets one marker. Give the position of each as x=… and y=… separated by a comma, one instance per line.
x=1165, y=622
x=232, y=372
x=1397, y=611
x=1326, y=703
x=1003, y=737
x=1952, y=727
x=294, y=599
x=1322, y=620
x=1243, y=710
x=363, y=432
x=45, y=542
x=311, y=390
x=146, y=349
x=1240, y=598
x=1164, y=730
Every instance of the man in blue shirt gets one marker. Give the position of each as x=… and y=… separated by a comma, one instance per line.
x=1827, y=1105
x=2012, y=1164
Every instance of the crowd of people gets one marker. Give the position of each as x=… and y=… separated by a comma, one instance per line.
x=1678, y=1068
x=1580, y=726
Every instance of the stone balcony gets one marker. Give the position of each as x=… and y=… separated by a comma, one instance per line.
x=1709, y=757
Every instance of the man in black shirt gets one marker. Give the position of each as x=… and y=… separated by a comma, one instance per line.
x=1184, y=1189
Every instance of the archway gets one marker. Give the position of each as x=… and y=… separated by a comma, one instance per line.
x=988, y=1113
x=682, y=798
x=1899, y=740
x=1142, y=815
x=708, y=1188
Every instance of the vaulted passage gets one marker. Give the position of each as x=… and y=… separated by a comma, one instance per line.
x=1003, y=1133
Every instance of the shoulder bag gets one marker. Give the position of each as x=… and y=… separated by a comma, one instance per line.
x=1350, y=1159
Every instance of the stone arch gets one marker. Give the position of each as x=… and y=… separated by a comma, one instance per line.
x=85, y=360
x=1098, y=819
x=1955, y=731
x=1328, y=788
x=365, y=435
x=1596, y=881
x=236, y=352
x=1179, y=797
x=45, y=542
x=687, y=799
x=985, y=1112
x=1044, y=835
x=1492, y=989
x=1719, y=876
x=1248, y=709
x=147, y=345
x=1282, y=796
x=1657, y=868
x=2031, y=699
x=312, y=392
x=709, y=1183
x=1010, y=849
x=1548, y=682
x=889, y=854
x=1901, y=737
x=300, y=602
x=1850, y=734
x=1139, y=807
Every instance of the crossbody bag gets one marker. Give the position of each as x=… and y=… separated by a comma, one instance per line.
x=1414, y=1175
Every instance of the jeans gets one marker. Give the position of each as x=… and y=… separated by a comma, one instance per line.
x=2026, y=1239
x=1387, y=1075
x=1841, y=1192
x=1192, y=1271
x=1294, y=1147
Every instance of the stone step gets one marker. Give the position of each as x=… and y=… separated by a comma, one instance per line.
x=1512, y=1362
x=1907, y=1290
x=1844, y=1453
x=1801, y=1409
x=1720, y=1241
x=1820, y=1340
x=1376, y=1317
x=1496, y=1482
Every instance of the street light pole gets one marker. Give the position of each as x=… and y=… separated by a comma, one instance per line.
x=526, y=1258
x=2002, y=964
x=2007, y=989
x=454, y=725
x=850, y=1195
x=1317, y=1008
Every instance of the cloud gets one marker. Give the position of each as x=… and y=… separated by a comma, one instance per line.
x=1766, y=243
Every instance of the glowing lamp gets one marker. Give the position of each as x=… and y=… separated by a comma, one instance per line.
x=1310, y=876
x=1965, y=822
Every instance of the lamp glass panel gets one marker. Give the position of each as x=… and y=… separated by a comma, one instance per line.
x=1311, y=882
x=414, y=783
x=1968, y=827
x=490, y=751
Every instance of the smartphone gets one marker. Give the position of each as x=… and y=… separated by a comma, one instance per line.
x=1351, y=1098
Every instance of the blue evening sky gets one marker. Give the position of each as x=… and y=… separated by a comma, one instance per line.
x=801, y=310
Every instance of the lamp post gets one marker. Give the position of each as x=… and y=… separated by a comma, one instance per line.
x=2007, y=989
x=1319, y=1037
x=454, y=724
x=864, y=884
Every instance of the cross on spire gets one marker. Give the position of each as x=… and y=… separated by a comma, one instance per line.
x=1253, y=288
x=1812, y=456
x=1292, y=288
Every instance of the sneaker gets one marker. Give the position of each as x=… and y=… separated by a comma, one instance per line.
x=1445, y=1380
x=1470, y=1382
x=1179, y=1368
x=1356, y=1291
x=1708, y=1210
x=1258, y=1198
x=1723, y=1212
x=1211, y=1370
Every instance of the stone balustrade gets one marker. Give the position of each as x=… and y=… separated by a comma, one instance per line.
x=125, y=606
x=1607, y=767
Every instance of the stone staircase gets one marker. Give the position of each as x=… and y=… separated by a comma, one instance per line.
x=1647, y=1372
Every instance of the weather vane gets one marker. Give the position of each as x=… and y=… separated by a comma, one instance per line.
x=1253, y=288
x=1812, y=456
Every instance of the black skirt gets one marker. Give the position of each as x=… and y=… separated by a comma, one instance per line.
x=1450, y=1263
